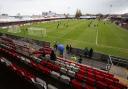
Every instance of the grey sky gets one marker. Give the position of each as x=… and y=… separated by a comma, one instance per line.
x=28, y=7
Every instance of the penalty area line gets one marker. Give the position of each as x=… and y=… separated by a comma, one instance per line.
x=97, y=37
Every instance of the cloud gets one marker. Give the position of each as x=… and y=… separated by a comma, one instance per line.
x=62, y=6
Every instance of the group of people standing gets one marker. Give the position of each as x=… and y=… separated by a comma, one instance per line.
x=88, y=52
x=68, y=48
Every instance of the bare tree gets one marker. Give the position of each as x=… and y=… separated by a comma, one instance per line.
x=78, y=13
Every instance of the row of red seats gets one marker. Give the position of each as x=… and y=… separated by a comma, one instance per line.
x=90, y=81
x=47, y=50
x=21, y=71
x=85, y=70
x=94, y=77
x=50, y=65
x=24, y=73
x=91, y=77
x=90, y=84
x=43, y=69
x=78, y=85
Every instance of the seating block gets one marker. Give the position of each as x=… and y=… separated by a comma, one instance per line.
x=76, y=84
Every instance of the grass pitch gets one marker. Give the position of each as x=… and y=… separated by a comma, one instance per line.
x=102, y=36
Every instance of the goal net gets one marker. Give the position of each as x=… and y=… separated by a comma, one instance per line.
x=37, y=31
x=14, y=29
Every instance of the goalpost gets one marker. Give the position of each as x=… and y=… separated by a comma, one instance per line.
x=14, y=29
x=36, y=31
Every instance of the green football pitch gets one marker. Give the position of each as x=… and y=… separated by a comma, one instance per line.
x=103, y=36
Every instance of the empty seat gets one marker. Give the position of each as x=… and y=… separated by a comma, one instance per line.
x=89, y=87
x=75, y=69
x=107, y=75
x=90, y=74
x=99, y=78
x=113, y=87
x=97, y=72
x=40, y=83
x=56, y=67
x=63, y=70
x=109, y=81
x=72, y=64
x=89, y=69
x=33, y=63
x=44, y=63
x=76, y=84
x=13, y=67
x=101, y=85
x=55, y=74
x=71, y=73
x=115, y=79
x=44, y=69
x=80, y=77
x=62, y=64
x=57, y=62
x=65, y=79
x=49, y=65
x=29, y=76
x=51, y=87
x=90, y=81
x=20, y=72
x=82, y=72
x=68, y=67
x=83, y=68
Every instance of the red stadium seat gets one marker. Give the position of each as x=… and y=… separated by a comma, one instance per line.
x=89, y=69
x=101, y=85
x=50, y=65
x=82, y=72
x=83, y=68
x=56, y=68
x=90, y=81
x=33, y=63
x=20, y=72
x=80, y=77
x=13, y=67
x=115, y=79
x=44, y=63
x=107, y=75
x=88, y=87
x=44, y=69
x=97, y=72
x=109, y=81
x=113, y=87
x=99, y=78
x=29, y=76
x=76, y=84
x=90, y=74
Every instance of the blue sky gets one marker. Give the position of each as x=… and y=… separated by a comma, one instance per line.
x=29, y=7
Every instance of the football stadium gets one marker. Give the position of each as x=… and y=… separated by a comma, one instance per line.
x=70, y=50
x=103, y=36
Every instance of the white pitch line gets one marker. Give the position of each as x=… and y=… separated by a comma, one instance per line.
x=100, y=45
x=97, y=37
